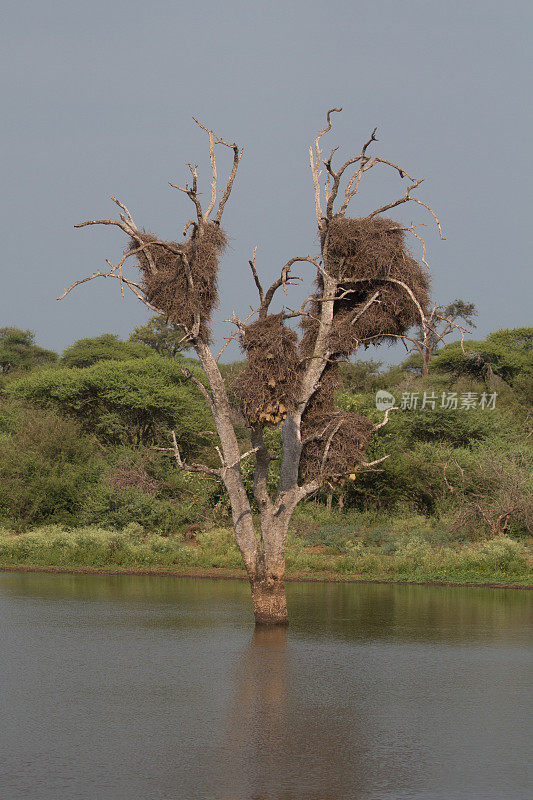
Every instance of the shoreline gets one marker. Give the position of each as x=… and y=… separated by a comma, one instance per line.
x=227, y=574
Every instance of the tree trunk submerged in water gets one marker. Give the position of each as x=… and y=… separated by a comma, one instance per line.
x=270, y=602
x=267, y=580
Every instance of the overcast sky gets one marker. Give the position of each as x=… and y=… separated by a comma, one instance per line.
x=98, y=99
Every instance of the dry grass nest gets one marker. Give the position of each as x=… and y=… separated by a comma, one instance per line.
x=347, y=448
x=164, y=272
x=367, y=256
x=364, y=248
x=351, y=434
x=267, y=387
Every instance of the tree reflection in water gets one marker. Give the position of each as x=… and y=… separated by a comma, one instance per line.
x=283, y=740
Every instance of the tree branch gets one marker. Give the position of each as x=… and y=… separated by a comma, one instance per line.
x=373, y=463
x=237, y=155
x=241, y=458
x=314, y=159
x=328, y=444
x=240, y=329
x=256, y=276
x=262, y=464
x=192, y=192
x=134, y=287
x=213, y=168
x=217, y=473
x=285, y=279
x=366, y=163
x=199, y=385
x=386, y=418
x=405, y=199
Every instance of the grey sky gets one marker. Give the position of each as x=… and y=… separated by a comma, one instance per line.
x=98, y=99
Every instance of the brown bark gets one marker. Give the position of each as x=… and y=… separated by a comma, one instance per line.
x=267, y=581
x=426, y=358
x=269, y=599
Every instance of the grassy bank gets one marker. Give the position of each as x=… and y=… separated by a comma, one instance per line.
x=409, y=553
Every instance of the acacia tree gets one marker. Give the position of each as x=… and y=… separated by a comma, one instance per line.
x=162, y=336
x=441, y=322
x=368, y=288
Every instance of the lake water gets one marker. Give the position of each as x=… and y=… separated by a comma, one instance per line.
x=137, y=688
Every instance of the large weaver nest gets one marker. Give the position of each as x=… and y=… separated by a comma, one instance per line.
x=268, y=385
x=346, y=450
x=348, y=445
x=164, y=267
x=368, y=255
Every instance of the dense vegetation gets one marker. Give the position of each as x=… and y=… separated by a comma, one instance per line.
x=81, y=482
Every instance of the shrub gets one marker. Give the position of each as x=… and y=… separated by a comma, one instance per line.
x=18, y=351
x=119, y=508
x=135, y=402
x=502, y=551
x=48, y=468
x=506, y=353
x=414, y=551
x=108, y=347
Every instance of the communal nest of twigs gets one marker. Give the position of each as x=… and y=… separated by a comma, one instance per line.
x=345, y=448
x=180, y=279
x=344, y=435
x=364, y=248
x=368, y=256
x=267, y=387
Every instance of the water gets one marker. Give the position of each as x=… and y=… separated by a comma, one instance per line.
x=137, y=688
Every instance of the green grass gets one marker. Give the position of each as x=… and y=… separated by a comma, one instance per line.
x=411, y=552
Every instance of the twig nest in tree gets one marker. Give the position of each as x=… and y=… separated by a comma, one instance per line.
x=368, y=256
x=181, y=279
x=267, y=386
x=345, y=436
x=364, y=248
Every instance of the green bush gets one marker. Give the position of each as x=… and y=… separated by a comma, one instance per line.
x=108, y=347
x=507, y=353
x=414, y=559
x=18, y=351
x=135, y=402
x=118, y=508
x=48, y=468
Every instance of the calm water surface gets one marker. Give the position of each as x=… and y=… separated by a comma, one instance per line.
x=143, y=688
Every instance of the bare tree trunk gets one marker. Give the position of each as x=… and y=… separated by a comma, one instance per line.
x=270, y=602
x=426, y=358
x=264, y=560
x=268, y=583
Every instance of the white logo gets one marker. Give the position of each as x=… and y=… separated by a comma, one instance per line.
x=384, y=400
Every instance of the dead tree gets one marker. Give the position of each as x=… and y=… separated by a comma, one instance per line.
x=368, y=288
